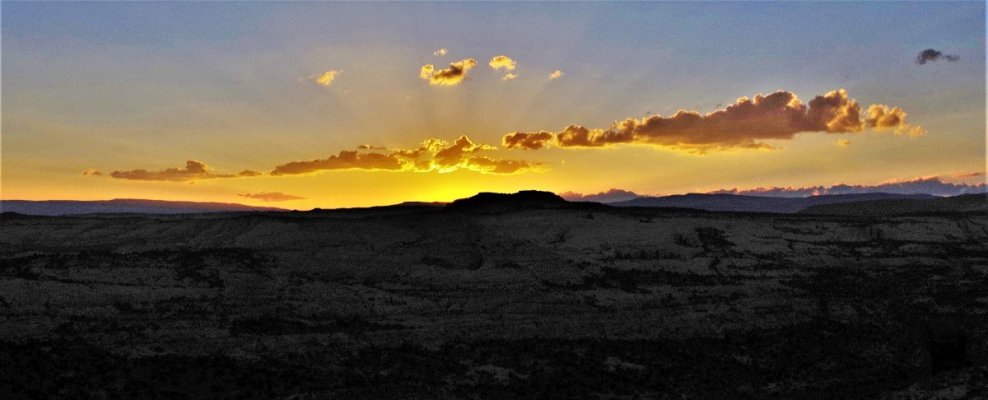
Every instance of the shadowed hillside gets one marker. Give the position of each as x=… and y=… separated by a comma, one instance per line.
x=518, y=296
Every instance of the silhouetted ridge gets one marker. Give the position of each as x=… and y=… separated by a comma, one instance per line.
x=965, y=203
x=746, y=203
x=122, y=206
x=523, y=200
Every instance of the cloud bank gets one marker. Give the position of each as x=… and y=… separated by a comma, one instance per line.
x=193, y=170
x=744, y=124
x=451, y=76
x=431, y=155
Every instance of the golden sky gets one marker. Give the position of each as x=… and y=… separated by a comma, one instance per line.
x=304, y=105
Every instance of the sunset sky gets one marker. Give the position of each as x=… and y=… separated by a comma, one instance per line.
x=303, y=105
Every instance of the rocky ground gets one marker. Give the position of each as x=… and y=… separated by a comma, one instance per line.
x=536, y=303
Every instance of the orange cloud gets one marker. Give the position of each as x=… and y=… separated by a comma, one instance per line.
x=91, y=172
x=842, y=142
x=555, y=75
x=193, y=170
x=271, y=196
x=432, y=155
x=744, y=124
x=344, y=160
x=451, y=76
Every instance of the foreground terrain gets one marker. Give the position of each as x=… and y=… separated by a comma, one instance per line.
x=474, y=302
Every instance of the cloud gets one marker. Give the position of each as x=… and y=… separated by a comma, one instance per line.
x=453, y=75
x=968, y=175
x=928, y=185
x=91, y=172
x=523, y=140
x=441, y=52
x=842, y=142
x=555, y=75
x=503, y=62
x=744, y=124
x=344, y=160
x=325, y=78
x=930, y=55
x=432, y=155
x=193, y=170
x=370, y=147
x=509, y=76
x=610, y=196
x=249, y=173
x=270, y=196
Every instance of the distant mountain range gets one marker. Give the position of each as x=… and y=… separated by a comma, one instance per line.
x=841, y=204
x=744, y=203
x=962, y=203
x=119, y=206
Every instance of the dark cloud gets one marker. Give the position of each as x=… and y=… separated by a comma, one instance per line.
x=249, y=173
x=610, y=196
x=270, y=196
x=744, y=124
x=193, y=170
x=92, y=172
x=930, y=55
x=453, y=75
x=431, y=155
x=523, y=140
x=343, y=160
x=928, y=185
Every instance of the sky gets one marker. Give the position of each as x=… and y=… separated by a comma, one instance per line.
x=311, y=104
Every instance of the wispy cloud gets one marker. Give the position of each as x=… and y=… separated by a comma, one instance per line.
x=842, y=142
x=271, y=196
x=441, y=52
x=610, y=196
x=451, y=76
x=744, y=124
x=325, y=78
x=934, y=185
x=92, y=172
x=555, y=75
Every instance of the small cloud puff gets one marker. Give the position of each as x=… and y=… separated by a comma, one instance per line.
x=451, y=76
x=503, y=62
x=842, y=142
x=441, y=52
x=325, y=78
x=555, y=75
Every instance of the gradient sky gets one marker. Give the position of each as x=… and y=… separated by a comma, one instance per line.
x=148, y=86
